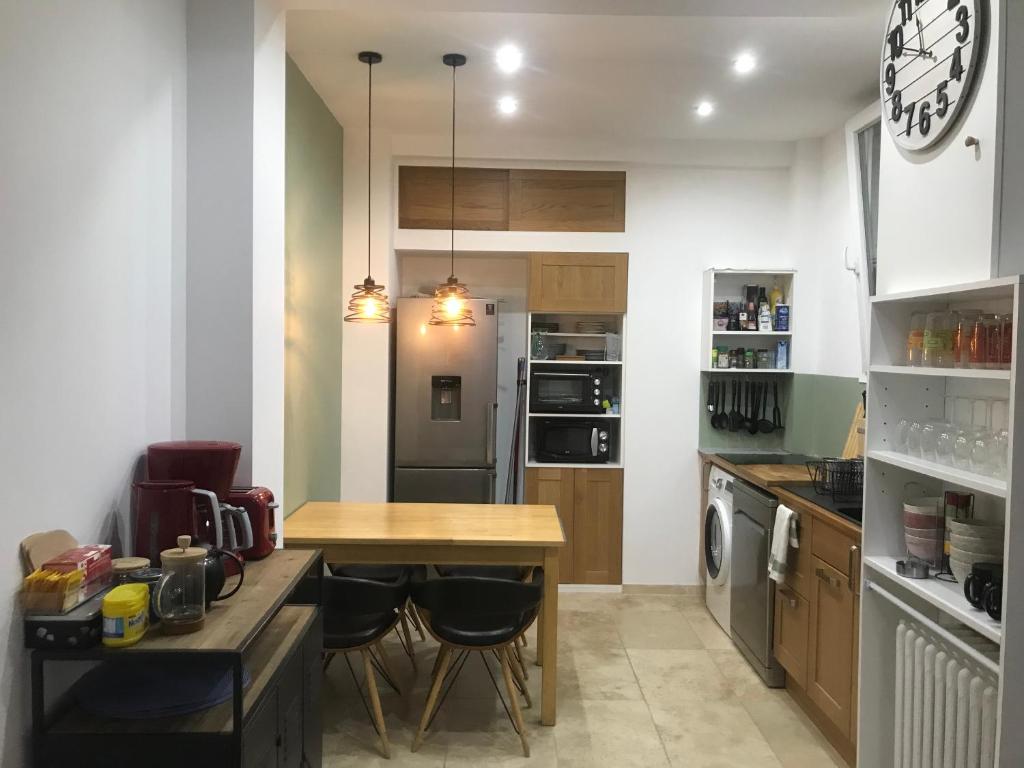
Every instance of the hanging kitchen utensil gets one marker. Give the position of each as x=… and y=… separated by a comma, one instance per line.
x=752, y=426
x=746, y=406
x=711, y=396
x=719, y=406
x=776, y=413
x=764, y=425
x=734, y=415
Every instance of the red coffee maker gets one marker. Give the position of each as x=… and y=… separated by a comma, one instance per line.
x=187, y=493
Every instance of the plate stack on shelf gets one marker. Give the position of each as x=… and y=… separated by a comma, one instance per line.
x=972, y=541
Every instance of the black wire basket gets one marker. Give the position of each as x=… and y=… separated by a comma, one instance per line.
x=839, y=478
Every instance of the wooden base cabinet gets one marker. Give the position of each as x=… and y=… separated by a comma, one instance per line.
x=589, y=504
x=830, y=656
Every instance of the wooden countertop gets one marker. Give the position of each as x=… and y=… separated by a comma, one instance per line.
x=771, y=476
x=322, y=523
x=763, y=475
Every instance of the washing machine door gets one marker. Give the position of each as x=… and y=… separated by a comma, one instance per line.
x=717, y=541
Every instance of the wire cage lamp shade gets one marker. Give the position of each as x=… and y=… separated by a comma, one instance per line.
x=369, y=303
x=451, y=298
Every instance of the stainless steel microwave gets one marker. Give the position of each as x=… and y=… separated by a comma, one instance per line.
x=568, y=391
x=575, y=441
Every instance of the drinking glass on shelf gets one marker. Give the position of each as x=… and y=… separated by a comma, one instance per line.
x=962, y=446
x=930, y=439
x=994, y=332
x=1006, y=345
x=914, y=438
x=981, y=457
x=977, y=350
x=902, y=433
x=945, y=444
x=1000, y=437
x=962, y=330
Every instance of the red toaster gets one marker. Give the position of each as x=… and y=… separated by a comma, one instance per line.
x=260, y=505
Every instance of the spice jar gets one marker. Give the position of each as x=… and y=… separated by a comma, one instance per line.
x=994, y=339
x=1006, y=342
x=915, y=339
x=961, y=336
x=748, y=359
x=977, y=347
x=938, y=340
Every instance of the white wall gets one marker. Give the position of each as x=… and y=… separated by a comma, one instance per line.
x=91, y=268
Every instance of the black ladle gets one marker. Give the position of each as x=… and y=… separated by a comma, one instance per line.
x=752, y=426
x=764, y=425
x=745, y=411
x=720, y=417
x=735, y=417
x=711, y=396
x=776, y=413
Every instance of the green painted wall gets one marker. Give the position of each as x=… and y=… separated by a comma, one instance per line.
x=816, y=412
x=314, y=297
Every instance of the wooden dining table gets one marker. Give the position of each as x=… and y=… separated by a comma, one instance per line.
x=445, y=534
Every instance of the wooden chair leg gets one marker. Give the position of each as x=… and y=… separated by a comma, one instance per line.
x=417, y=624
x=520, y=657
x=444, y=657
x=513, y=695
x=387, y=667
x=378, y=713
x=517, y=673
x=408, y=639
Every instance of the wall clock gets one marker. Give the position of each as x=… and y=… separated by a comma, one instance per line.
x=930, y=57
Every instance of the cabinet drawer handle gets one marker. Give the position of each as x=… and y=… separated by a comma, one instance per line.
x=824, y=575
x=789, y=597
x=854, y=549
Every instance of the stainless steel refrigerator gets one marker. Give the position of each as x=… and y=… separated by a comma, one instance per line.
x=446, y=405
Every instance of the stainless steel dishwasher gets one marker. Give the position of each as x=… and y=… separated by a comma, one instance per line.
x=752, y=615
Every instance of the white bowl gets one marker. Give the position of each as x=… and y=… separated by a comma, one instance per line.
x=976, y=528
x=976, y=544
x=924, y=505
x=959, y=568
x=962, y=562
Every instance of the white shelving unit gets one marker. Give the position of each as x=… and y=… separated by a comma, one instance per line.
x=616, y=324
x=897, y=391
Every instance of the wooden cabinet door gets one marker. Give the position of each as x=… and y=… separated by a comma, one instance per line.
x=555, y=486
x=312, y=678
x=567, y=201
x=578, y=282
x=831, y=641
x=260, y=737
x=597, y=526
x=425, y=198
x=792, y=614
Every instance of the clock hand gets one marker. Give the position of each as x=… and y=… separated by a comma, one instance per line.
x=920, y=39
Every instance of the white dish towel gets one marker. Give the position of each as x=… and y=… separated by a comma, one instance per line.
x=784, y=536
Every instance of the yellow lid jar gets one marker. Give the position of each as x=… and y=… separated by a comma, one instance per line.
x=125, y=614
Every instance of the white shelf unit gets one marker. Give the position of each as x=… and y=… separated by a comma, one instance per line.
x=742, y=371
x=728, y=285
x=615, y=323
x=897, y=391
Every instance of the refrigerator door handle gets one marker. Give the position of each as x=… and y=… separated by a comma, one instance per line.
x=492, y=433
x=593, y=442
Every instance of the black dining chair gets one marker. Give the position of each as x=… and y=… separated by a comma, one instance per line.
x=390, y=573
x=358, y=614
x=467, y=614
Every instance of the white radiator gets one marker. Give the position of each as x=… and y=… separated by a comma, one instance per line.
x=945, y=705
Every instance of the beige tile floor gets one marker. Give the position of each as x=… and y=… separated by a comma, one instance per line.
x=644, y=680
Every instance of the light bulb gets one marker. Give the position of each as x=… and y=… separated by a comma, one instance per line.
x=509, y=58
x=745, y=63
x=452, y=306
x=705, y=108
x=370, y=307
x=423, y=329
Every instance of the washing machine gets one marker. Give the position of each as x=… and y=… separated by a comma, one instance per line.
x=718, y=545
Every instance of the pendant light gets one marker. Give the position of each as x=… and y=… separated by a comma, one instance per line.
x=369, y=303
x=451, y=298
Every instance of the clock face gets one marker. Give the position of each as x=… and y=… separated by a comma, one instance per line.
x=930, y=55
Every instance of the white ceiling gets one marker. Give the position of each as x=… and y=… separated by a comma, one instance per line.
x=631, y=73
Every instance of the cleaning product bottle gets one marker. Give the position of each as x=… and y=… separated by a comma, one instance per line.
x=776, y=296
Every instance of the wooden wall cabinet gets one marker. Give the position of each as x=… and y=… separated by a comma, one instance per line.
x=578, y=282
x=589, y=503
x=516, y=200
x=567, y=201
x=425, y=198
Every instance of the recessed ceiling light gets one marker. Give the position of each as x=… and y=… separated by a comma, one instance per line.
x=507, y=105
x=704, y=109
x=509, y=58
x=745, y=63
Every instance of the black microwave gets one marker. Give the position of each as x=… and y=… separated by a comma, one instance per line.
x=568, y=392
x=573, y=441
